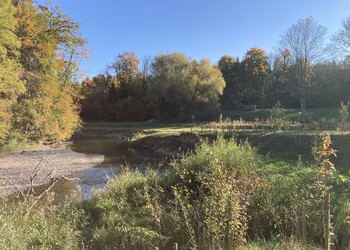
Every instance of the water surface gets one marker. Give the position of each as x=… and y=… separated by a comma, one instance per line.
x=117, y=155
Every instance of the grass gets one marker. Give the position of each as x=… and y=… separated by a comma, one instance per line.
x=15, y=145
x=276, y=245
x=139, y=129
x=285, y=145
x=163, y=129
x=314, y=114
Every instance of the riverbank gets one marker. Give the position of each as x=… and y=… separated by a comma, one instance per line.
x=167, y=145
x=21, y=170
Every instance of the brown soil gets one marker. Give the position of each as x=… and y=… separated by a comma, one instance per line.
x=168, y=145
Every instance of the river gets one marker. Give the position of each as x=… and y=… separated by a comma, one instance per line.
x=117, y=154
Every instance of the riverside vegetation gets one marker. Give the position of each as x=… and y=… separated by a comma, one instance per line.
x=224, y=195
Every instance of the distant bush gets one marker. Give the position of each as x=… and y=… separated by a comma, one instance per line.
x=276, y=118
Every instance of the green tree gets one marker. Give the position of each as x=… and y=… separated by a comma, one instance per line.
x=330, y=84
x=180, y=87
x=279, y=74
x=126, y=69
x=10, y=84
x=230, y=69
x=169, y=86
x=304, y=44
x=206, y=84
x=254, y=77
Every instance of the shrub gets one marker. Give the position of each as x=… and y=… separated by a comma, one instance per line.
x=344, y=115
x=276, y=116
x=275, y=208
x=126, y=215
x=200, y=202
x=213, y=189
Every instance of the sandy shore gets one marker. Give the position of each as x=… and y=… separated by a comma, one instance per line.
x=18, y=168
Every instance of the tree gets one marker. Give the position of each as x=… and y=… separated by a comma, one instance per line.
x=127, y=71
x=254, y=77
x=230, y=69
x=341, y=40
x=10, y=84
x=169, y=86
x=331, y=84
x=50, y=43
x=95, y=93
x=206, y=84
x=304, y=45
x=181, y=87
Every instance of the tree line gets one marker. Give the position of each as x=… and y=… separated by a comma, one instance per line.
x=43, y=100
x=39, y=49
x=171, y=87
x=168, y=87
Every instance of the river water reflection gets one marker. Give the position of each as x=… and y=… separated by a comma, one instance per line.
x=117, y=154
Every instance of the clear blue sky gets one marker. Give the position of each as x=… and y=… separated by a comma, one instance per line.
x=196, y=28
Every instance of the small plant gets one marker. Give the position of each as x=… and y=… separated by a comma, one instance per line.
x=344, y=115
x=323, y=123
x=326, y=171
x=276, y=116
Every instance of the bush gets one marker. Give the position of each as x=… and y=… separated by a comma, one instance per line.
x=277, y=116
x=343, y=115
x=126, y=215
x=275, y=208
x=213, y=189
x=200, y=202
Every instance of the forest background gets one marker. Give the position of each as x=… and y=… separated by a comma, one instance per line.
x=44, y=99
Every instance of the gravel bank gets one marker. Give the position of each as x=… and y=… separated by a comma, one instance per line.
x=17, y=169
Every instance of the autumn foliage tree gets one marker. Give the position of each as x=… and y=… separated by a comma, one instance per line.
x=49, y=43
x=10, y=83
x=39, y=48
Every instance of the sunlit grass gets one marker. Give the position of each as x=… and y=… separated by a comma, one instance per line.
x=276, y=245
x=291, y=114
x=15, y=145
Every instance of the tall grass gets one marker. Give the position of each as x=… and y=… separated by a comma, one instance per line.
x=42, y=227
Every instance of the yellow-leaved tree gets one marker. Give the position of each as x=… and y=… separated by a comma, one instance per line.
x=50, y=45
x=10, y=84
